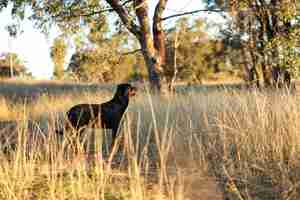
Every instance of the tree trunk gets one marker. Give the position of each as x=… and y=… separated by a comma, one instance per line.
x=11, y=65
x=153, y=46
x=266, y=73
x=154, y=71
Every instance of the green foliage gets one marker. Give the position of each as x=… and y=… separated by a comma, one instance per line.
x=101, y=65
x=58, y=55
x=197, y=55
x=102, y=61
x=287, y=46
x=87, y=65
x=8, y=60
x=70, y=16
x=268, y=34
x=101, y=55
x=271, y=39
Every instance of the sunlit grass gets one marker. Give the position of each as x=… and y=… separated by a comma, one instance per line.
x=174, y=147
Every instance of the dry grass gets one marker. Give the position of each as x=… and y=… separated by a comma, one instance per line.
x=194, y=145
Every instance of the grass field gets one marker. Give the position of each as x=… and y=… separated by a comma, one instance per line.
x=202, y=143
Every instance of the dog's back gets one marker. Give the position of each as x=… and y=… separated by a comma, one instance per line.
x=83, y=114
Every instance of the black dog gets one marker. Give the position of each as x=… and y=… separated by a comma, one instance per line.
x=106, y=115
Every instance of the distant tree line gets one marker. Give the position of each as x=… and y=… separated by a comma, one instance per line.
x=12, y=66
x=102, y=57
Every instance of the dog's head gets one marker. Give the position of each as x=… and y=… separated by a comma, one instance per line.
x=125, y=90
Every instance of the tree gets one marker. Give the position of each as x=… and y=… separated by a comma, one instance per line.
x=207, y=56
x=13, y=31
x=99, y=57
x=191, y=63
x=268, y=32
x=58, y=55
x=11, y=63
x=134, y=15
x=153, y=47
x=88, y=65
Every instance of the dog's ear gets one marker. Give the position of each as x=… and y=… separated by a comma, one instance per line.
x=132, y=91
x=123, y=90
x=126, y=91
x=129, y=90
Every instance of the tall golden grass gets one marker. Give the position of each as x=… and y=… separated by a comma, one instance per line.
x=195, y=145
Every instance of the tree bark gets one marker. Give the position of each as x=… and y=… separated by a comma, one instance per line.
x=152, y=59
x=153, y=46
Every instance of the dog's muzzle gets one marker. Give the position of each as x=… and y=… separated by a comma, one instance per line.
x=132, y=91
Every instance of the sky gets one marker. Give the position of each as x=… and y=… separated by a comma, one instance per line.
x=33, y=47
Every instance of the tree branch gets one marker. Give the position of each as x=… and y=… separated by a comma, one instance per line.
x=131, y=52
x=190, y=13
x=127, y=53
x=158, y=32
x=141, y=10
x=72, y=13
x=124, y=16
